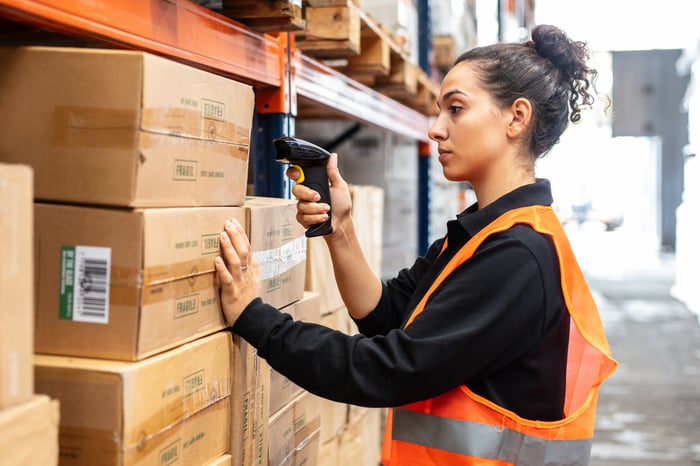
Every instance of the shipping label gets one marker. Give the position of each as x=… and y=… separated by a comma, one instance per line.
x=84, y=287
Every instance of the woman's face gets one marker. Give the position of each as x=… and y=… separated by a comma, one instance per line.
x=470, y=128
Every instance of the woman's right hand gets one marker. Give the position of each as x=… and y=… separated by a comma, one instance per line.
x=310, y=211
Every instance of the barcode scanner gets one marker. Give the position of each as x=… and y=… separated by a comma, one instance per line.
x=311, y=161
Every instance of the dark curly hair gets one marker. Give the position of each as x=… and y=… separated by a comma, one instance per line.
x=550, y=70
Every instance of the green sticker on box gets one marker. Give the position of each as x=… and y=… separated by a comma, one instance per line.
x=84, y=287
x=65, y=302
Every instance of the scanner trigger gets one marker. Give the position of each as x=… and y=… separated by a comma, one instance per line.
x=301, y=174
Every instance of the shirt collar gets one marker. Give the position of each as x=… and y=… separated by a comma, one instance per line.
x=474, y=219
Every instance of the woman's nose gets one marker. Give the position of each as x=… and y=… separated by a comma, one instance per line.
x=437, y=133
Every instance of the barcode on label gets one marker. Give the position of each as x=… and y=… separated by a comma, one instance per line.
x=85, y=283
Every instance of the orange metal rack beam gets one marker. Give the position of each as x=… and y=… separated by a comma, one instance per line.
x=178, y=29
x=325, y=86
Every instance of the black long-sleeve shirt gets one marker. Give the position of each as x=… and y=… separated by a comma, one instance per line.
x=497, y=324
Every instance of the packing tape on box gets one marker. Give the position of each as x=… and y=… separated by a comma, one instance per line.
x=91, y=127
x=127, y=292
x=275, y=262
x=202, y=285
x=169, y=272
x=209, y=428
x=209, y=124
x=170, y=281
x=181, y=408
x=113, y=128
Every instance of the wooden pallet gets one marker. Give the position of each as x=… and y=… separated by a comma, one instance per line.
x=444, y=51
x=374, y=58
x=339, y=33
x=331, y=2
x=266, y=16
x=402, y=80
x=425, y=99
x=331, y=31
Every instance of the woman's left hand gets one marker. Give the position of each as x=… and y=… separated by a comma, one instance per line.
x=237, y=271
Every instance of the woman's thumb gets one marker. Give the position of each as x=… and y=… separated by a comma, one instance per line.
x=332, y=168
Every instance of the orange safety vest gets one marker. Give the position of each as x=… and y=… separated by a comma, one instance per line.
x=462, y=428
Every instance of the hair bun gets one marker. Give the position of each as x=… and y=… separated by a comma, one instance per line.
x=552, y=43
x=569, y=57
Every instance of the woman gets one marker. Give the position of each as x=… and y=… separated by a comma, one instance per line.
x=489, y=348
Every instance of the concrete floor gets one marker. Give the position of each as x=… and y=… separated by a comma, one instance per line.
x=649, y=410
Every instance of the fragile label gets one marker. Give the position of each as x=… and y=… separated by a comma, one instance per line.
x=185, y=170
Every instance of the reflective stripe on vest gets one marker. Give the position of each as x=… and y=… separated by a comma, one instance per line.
x=473, y=439
x=462, y=428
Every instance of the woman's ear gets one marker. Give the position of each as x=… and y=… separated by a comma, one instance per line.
x=521, y=113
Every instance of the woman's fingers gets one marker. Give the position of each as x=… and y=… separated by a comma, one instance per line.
x=228, y=251
x=239, y=245
x=224, y=279
x=304, y=193
x=309, y=210
x=292, y=173
x=236, y=270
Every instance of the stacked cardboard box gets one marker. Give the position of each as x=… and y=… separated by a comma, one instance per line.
x=157, y=312
x=124, y=128
x=29, y=432
x=139, y=161
x=294, y=432
x=16, y=285
x=223, y=460
x=28, y=422
x=135, y=175
x=282, y=390
x=171, y=408
x=279, y=246
x=295, y=415
x=129, y=283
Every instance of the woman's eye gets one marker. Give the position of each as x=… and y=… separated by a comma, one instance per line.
x=454, y=109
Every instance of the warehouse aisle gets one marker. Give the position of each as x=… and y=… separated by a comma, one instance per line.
x=649, y=410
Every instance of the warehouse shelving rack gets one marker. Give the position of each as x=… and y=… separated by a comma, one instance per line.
x=281, y=74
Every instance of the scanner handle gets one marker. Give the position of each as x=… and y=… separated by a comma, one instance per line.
x=316, y=177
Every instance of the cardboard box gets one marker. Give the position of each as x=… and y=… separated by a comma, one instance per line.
x=307, y=453
x=320, y=277
x=250, y=406
x=328, y=452
x=360, y=443
x=368, y=217
x=444, y=51
x=279, y=245
x=158, y=263
x=29, y=433
x=295, y=432
x=334, y=418
x=172, y=406
x=283, y=390
x=334, y=415
x=16, y=285
x=124, y=128
x=223, y=460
